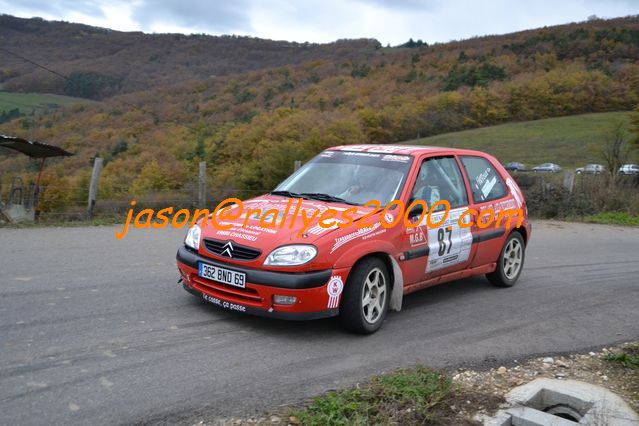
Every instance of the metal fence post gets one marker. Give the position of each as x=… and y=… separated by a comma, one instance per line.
x=93, y=186
x=201, y=187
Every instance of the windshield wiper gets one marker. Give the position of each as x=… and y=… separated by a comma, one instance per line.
x=326, y=197
x=286, y=194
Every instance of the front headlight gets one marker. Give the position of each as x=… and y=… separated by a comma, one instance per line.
x=292, y=255
x=193, y=237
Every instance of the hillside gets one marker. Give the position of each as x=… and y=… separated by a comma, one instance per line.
x=250, y=127
x=100, y=62
x=568, y=141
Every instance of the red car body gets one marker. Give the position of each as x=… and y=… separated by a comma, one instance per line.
x=409, y=254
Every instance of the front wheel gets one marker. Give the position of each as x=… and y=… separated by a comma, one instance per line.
x=510, y=263
x=365, y=299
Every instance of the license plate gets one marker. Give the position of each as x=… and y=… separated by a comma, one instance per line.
x=222, y=275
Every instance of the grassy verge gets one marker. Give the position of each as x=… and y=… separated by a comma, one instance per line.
x=613, y=218
x=411, y=396
x=628, y=357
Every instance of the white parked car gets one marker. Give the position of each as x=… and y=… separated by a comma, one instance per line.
x=591, y=169
x=629, y=169
x=547, y=168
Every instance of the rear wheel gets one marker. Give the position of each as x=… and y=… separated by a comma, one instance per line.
x=365, y=299
x=510, y=263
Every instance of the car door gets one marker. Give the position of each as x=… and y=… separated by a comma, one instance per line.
x=437, y=245
x=488, y=190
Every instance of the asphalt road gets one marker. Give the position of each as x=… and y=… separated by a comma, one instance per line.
x=96, y=331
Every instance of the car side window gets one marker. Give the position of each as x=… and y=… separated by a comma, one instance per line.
x=485, y=183
x=440, y=179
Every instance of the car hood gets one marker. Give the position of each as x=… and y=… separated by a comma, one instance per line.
x=262, y=232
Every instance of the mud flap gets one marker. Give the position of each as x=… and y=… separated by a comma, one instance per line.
x=397, y=293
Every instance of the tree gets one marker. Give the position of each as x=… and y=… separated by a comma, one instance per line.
x=150, y=178
x=616, y=149
x=92, y=85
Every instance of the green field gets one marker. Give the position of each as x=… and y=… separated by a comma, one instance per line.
x=568, y=141
x=35, y=102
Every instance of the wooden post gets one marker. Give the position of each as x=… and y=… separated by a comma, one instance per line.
x=201, y=188
x=33, y=196
x=297, y=165
x=93, y=186
x=569, y=181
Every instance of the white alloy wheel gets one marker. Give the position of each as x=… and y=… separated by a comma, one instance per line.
x=512, y=258
x=374, y=295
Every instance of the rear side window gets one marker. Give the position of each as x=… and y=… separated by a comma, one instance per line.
x=485, y=182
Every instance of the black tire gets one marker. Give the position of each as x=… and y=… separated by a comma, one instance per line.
x=352, y=312
x=504, y=275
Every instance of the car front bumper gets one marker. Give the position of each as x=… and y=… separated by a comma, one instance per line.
x=309, y=289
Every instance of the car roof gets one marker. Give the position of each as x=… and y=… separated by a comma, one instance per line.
x=413, y=150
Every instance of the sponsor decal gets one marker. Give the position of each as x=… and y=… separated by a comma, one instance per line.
x=417, y=237
x=383, y=149
x=481, y=178
x=334, y=289
x=353, y=148
x=361, y=154
x=400, y=158
x=353, y=235
x=223, y=303
x=488, y=186
x=374, y=234
x=515, y=190
x=318, y=230
x=386, y=149
x=237, y=235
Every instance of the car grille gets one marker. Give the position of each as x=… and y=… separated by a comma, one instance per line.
x=231, y=249
x=247, y=296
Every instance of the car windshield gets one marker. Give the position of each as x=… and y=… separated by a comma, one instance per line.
x=349, y=176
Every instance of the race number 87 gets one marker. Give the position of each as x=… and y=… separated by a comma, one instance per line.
x=444, y=247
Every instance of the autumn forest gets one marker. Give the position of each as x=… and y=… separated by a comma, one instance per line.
x=251, y=107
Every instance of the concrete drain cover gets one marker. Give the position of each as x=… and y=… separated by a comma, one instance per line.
x=549, y=402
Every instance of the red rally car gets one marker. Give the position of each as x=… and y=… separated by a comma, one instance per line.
x=267, y=260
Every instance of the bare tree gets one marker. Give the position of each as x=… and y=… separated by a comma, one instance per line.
x=616, y=150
